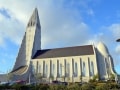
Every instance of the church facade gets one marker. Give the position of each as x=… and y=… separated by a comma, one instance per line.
x=70, y=64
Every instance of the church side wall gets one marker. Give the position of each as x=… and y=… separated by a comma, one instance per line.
x=84, y=66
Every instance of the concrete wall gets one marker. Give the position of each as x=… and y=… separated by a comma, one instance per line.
x=87, y=59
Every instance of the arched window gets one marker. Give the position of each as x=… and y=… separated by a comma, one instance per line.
x=92, y=68
x=75, y=70
x=60, y=70
x=46, y=69
x=33, y=68
x=83, y=69
x=68, y=69
x=39, y=70
x=53, y=69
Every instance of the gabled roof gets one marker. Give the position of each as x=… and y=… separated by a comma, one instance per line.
x=64, y=52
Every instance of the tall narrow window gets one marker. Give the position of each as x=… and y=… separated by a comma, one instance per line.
x=53, y=69
x=83, y=69
x=33, y=68
x=75, y=69
x=68, y=70
x=39, y=70
x=65, y=67
x=92, y=68
x=46, y=70
x=60, y=70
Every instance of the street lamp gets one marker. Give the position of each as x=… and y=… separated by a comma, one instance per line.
x=118, y=40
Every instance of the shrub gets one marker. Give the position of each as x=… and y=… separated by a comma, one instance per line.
x=114, y=86
x=57, y=87
x=73, y=87
x=102, y=86
x=87, y=87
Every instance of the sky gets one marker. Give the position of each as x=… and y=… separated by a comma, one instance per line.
x=64, y=23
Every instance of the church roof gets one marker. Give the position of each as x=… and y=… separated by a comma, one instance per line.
x=64, y=52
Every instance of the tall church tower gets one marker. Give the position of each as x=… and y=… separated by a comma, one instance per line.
x=30, y=44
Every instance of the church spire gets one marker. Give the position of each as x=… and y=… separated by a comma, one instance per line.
x=30, y=44
x=34, y=19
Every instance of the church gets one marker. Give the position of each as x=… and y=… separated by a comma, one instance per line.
x=69, y=63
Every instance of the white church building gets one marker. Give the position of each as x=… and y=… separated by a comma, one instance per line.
x=70, y=63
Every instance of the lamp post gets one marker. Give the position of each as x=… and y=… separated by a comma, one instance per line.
x=118, y=40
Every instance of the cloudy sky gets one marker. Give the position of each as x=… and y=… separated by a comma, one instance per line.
x=64, y=23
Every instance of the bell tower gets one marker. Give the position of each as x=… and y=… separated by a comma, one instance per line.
x=30, y=44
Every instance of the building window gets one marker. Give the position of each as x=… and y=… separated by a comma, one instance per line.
x=60, y=71
x=68, y=70
x=92, y=68
x=53, y=69
x=33, y=69
x=75, y=70
x=83, y=69
x=39, y=70
x=46, y=70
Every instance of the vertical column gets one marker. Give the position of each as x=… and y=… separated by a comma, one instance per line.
x=50, y=68
x=37, y=67
x=73, y=67
x=80, y=66
x=43, y=68
x=65, y=67
x=72, y=70
x=89, y=70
